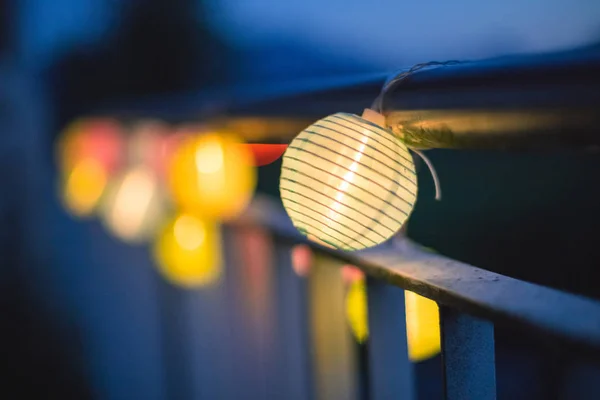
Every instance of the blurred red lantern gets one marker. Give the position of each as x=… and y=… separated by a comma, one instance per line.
x=265, y=154
x=98, y=139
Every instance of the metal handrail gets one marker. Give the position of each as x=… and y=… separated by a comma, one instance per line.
x=547, y=101
x=451, y=283
x=523, y=102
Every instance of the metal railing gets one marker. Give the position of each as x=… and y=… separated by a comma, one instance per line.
x=471, y=301
x=533, y=103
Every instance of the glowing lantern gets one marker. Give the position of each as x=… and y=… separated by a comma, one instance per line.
x=265, y=154
x=188, y=251
x=348, y=182
x=98, y=139
x=134, y=208
x=212, y=175
x=83, y=187
x=88, y=152
x=422, y=321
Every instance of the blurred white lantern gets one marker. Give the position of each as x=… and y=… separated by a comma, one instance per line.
x=348, y=182
x=134, y=207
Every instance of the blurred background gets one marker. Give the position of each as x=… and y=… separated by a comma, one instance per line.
x=86, y=314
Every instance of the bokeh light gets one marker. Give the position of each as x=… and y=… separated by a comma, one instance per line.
x=168, y=146
x=302, y=259
x=356, y=310
x=422, y=326
x=96, y=138
x=146, y=141
x=212, y=175
x=265, y=154
x=82, y=188
x=422, y=321
x=188, y=251
x=134, y=206
x=88, y=152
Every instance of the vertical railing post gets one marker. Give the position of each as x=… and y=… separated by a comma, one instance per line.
x=334, y=357
x=468, y=356
x=294, y=381
x=391, y=375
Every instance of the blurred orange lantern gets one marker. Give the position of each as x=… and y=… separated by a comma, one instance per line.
x=82, y=188
x=213, y=176
x=88, y=152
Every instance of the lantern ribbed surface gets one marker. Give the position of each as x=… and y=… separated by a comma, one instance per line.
x=348, y=182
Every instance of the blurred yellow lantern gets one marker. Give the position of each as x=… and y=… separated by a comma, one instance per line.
x=87, y=153
x=212, y=175
x=188, y=251
x=422, y=321
x=83, y=186
x=133, y=207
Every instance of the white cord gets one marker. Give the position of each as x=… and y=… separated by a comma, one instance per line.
x=434, y=175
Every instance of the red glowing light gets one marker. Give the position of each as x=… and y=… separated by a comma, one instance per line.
x=265, y=154
x=351, y=274
x=98, y=139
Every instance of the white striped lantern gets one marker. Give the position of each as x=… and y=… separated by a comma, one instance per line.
x=348, y=182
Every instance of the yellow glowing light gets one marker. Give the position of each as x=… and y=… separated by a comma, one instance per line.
x=213, y=176
x=188, y=251
x=356, y=310
x=422, y=326
x=209, y=157
x=84, y=186
x=188, y=232
x=134, y=207
x=422, y=321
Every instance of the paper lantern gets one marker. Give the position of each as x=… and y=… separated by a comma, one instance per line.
x=265, y=154
x=99, y=139
x=188, y=251
x=133, y=207
x=348, y=182
x=82, y=188
x=422, y=321
x=212, y=175
x=88, y=152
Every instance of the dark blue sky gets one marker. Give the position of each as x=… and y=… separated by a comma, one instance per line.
x=387, y=33
x=391, y=31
